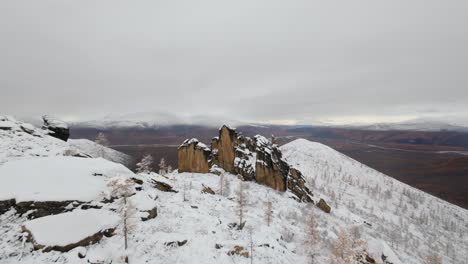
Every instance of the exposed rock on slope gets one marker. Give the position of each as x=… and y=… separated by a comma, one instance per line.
x=61, y=232
x=56, y=128
x=254, y=159
x=194, y=156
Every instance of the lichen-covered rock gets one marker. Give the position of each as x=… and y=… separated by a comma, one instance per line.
x=56, y=128
x=270, y=169
x=194, y=156
x=324, y=206
x=253, y=159
x=223, y=148
x=153, y=213
x=296, y=184
x=239, y=250
x=207, y=190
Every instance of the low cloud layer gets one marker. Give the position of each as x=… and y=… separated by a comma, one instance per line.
x=259, y=61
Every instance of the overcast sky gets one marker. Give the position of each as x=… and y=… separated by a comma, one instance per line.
x=263, y=61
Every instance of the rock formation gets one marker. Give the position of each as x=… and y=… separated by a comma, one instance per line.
x=56, y=128
x=194, y=156
x=255, y=159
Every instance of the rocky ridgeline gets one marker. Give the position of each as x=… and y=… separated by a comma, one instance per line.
x=255, y=159
x=56, y=128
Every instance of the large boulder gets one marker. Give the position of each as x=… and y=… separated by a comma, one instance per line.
x=194, y=156
x=56, y=128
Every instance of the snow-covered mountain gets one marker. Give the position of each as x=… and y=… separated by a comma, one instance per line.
x=412, y=222
x=64, y=209
x=19, y=140
x=152, y=120
x=420, y=124
x=98, y=151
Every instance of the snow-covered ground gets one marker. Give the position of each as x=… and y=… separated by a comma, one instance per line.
x=412, y=222
x=57, y=178
x=191, y=226
x=98, y=151
x=22, y=140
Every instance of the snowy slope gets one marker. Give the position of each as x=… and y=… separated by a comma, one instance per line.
x=97, y=151
x=22, y=140
x=412, y=222
x=400, y=222
x=57, y=178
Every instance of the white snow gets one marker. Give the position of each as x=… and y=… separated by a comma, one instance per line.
x=72, y=227
x=411, y=222
x=378, y=248
x=56, y=178
x=98, y=151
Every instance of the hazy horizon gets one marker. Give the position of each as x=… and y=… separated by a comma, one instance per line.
x=300, y=62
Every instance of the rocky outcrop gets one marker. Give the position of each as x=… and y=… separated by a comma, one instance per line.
x=56, y=128
x=223, y=148
x=270, y=169
x=255, y=159
x=93, y=239
x=194, y=156
x=35, y=209
x=296, y=183
x=324, y=206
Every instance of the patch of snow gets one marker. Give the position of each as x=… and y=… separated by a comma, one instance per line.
x=72, y=227
x=57, y=178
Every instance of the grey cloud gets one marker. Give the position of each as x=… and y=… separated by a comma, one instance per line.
x=245, y=60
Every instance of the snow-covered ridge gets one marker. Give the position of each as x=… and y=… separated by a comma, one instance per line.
x=411, y=221
x=57, y=178
x=23, y=140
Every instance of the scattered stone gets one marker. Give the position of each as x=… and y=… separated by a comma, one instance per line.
x=240, y=251
x=175, y=243
x=207, y=189
x=324, y=206
x=218, y=246
x=153, y=213
x=82, y=251
x=164, y=187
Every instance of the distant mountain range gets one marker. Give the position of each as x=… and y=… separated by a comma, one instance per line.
x=161, y=119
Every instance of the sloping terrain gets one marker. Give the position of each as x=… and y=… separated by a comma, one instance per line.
x=413, y=222
x=184, y=217
x=22, y=140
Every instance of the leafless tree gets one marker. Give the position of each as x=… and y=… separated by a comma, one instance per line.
x=162, y=167
x=123, y=188
x=268, y=211
x=433, y=258
x=312, y=241
x=241, y=202
x=102, y=140
x=144, y=166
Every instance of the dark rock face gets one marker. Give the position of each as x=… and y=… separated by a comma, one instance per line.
x=164, y=187
x=153, y=213
x=175, y=243
x=255, y=159
x=56, y=128
x=38, y=209
x=324, y=206
x=296, y=183
x=194, y=156
x=83, y=243
x=270, y=169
